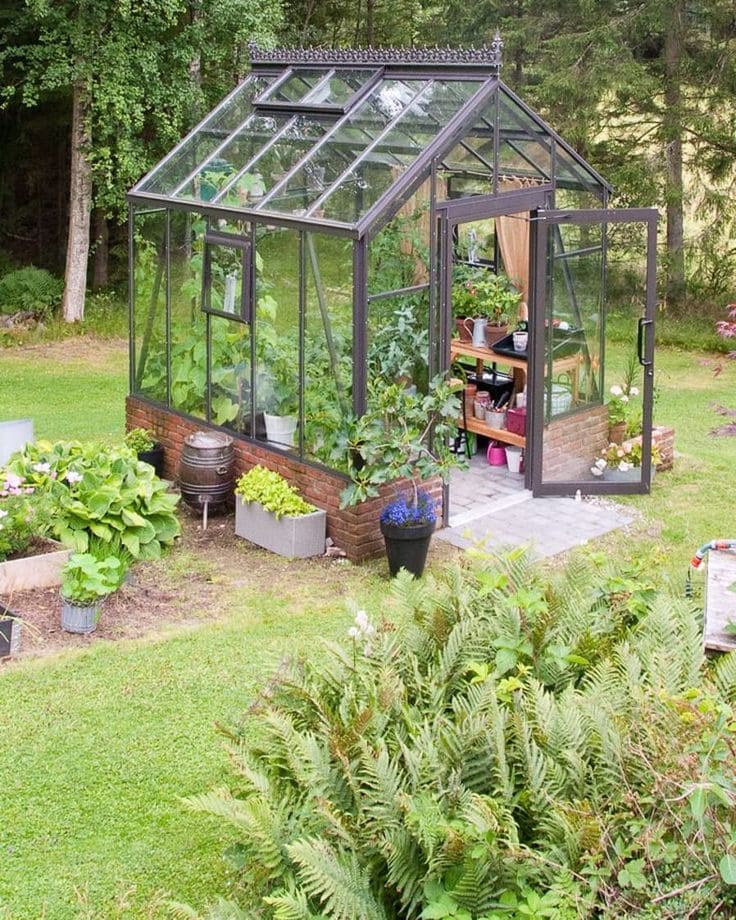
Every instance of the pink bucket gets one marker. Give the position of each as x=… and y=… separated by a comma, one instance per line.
x=496, y=454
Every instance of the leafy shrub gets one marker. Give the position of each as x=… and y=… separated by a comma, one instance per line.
x=100, y=492
x=86, y=579
x=140, y=440
x=508, y=745
x=17, y=526
x=273, y=492
x=32, y=289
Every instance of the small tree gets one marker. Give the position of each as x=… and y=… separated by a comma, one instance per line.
x=403, y=435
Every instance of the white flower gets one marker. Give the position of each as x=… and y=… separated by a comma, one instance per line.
x=601, y=463
x=361, y=619
x=633, y=391
x=354, y=632
x=616, y=390
x=41, y=467
x=3, y=513
x=72, y=476
x=624, y=398
x=624, y=466
x=596, y=470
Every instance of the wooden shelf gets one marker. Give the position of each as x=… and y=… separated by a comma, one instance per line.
x=486, y=355
x=477, y=426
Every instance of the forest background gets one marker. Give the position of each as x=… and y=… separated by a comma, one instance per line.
x=94, y=92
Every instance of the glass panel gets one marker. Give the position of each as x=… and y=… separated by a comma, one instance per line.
x=275, y=161
x=226, y=283
x=572, y=177
x=415, y=130
x=327, y=163
x=339, y=88
x=222, y=122
x=149, y=304
x=398, y=341
x=328, y=347
x=277, y=336
x=230, y=395
x=583, y=365
x=239, y=150
x=398, y=256
x=188, y=333
x=295, y=87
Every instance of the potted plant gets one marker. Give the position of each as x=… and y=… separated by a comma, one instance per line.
x=277, y=386
x=271, y=513
x=622, y=462
x=86, y=580
x=406, y=437
x=407, y=525
x=624, y=421
x=10, y=629
x=143, y=443
x=499, y=301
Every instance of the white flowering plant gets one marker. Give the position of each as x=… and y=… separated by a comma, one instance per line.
x=622, y=457
x=623, y=406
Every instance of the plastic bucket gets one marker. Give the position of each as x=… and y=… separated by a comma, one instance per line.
x=513, y=458
x=280, y=429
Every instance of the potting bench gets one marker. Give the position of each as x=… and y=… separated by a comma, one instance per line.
x=484, y=356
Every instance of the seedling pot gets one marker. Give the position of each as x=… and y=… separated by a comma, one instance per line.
x=76, y=618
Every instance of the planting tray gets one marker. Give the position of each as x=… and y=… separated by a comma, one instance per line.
x=295, y=537
x=41, y=571
x=564, y=342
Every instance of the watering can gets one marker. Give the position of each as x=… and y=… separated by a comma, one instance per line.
x=479, y=332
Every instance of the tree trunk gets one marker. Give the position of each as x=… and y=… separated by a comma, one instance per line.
x=80, y=206
x=100, y=274
x=672, y=124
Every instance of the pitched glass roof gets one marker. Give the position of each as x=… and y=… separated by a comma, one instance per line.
x=330, y=143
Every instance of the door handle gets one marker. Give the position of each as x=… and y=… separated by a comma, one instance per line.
x=641, y=342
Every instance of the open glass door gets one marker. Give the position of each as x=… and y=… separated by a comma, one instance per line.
x=594, y=276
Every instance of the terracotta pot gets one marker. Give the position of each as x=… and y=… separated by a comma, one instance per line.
x=495, y=334
x=469, y=394
x=617, y=433
x=464, y=326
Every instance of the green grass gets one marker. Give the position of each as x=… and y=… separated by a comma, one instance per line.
x=105, y=317
x=71, y=389
x=99, y=747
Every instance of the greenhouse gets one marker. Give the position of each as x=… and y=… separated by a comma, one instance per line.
x=311, y=240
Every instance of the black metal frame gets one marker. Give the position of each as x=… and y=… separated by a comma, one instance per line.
x=247, y=284
x=537, y=307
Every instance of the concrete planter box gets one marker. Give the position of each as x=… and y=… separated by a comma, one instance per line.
x=14, y=436
x=296, y=537
x=42, y=571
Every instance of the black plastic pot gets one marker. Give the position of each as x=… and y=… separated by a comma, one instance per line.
x=154, y=457
x=407, y=547
x=10, y=627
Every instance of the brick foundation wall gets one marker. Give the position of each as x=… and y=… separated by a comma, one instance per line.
x=571, y=444
x=664, y=438
x=356, y=529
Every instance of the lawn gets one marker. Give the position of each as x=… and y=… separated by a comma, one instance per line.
x=100, y=745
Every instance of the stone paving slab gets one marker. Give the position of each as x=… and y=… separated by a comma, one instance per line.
x=547, y=525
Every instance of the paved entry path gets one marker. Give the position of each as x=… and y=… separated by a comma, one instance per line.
x=500, y=514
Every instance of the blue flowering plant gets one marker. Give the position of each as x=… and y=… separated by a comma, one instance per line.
x=406, y=511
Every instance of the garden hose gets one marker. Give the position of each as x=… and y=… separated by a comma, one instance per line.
x=700, y=555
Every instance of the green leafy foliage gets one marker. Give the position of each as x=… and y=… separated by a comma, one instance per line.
x=512, y=744
x=86, y=579
x=103, y=493
x=22, y=517
x=140, y=440
x=403, y=435
x=30, y=289
x=273, y=492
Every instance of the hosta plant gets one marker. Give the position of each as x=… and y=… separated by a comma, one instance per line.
x=100, y=492
x=501, y=744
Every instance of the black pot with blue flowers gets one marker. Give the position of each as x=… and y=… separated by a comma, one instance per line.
x=407, y=525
